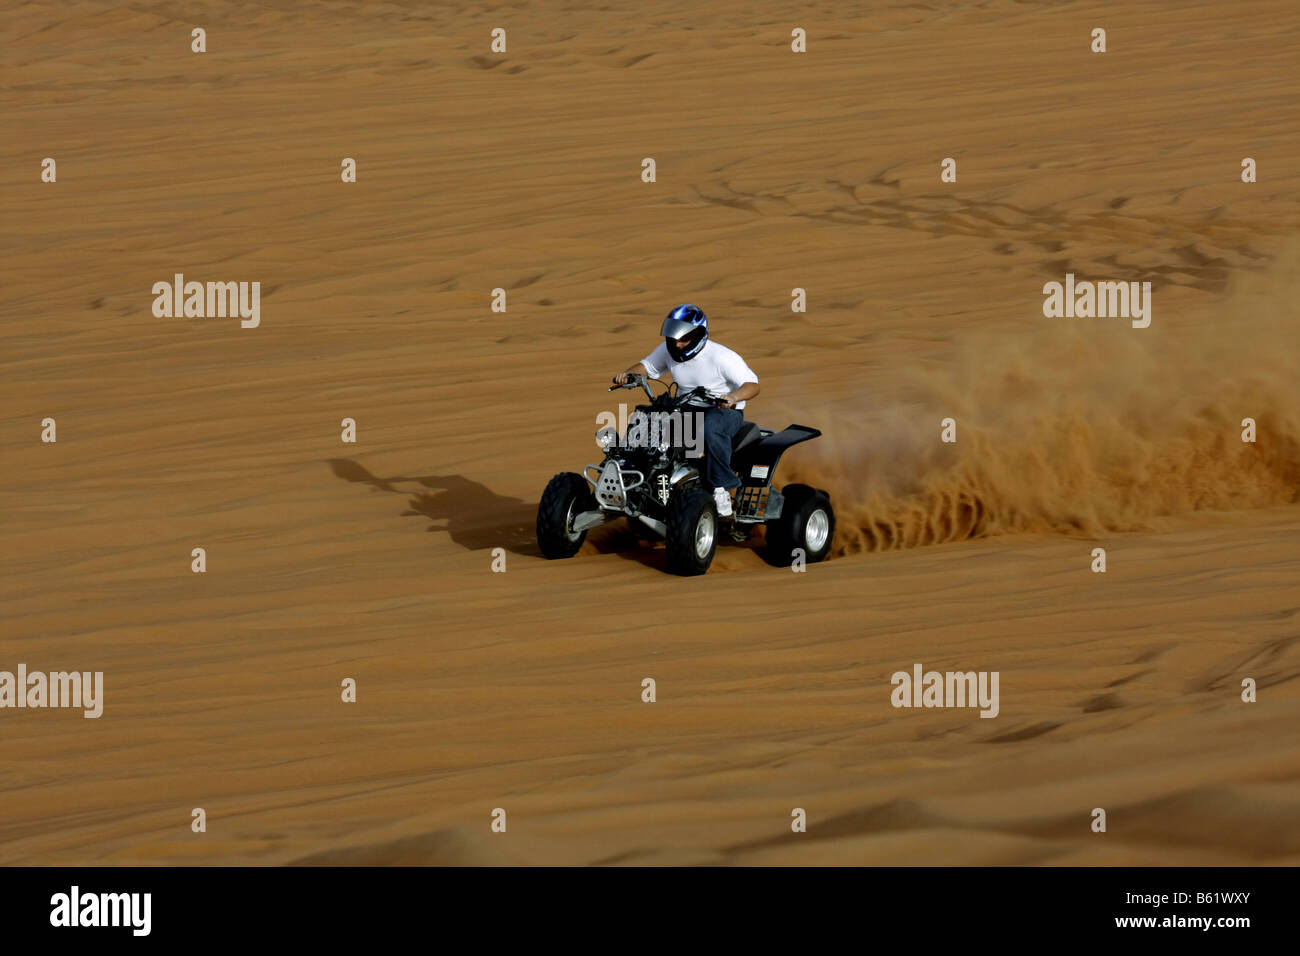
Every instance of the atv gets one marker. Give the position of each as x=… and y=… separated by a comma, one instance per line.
x=658, y=485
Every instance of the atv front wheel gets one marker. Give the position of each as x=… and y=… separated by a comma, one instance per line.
x=692, y=534
x=807, y=521
x=566, y=496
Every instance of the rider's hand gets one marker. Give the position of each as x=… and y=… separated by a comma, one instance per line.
x=724, y=401
x=621, y=378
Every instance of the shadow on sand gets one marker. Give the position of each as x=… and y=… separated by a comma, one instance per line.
x=477, y=518
x=472, y=515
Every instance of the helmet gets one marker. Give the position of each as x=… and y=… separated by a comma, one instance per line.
x=685, y=322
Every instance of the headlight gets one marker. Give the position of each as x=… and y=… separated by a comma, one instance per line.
x=607, y=438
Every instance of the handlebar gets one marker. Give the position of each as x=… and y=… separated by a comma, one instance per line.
x=633, y=381
x=640, y=381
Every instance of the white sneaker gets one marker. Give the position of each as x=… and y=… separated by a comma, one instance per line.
x=722, y=497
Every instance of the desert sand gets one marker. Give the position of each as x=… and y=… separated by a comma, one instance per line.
x=522, y=690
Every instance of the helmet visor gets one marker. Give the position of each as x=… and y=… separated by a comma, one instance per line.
x=677, y=329
x=681, y=349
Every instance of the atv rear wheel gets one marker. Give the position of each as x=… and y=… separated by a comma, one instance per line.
x=692, y=535
x=566, y=496
x=807, y=521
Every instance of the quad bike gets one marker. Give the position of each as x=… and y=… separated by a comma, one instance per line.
x=658, y=485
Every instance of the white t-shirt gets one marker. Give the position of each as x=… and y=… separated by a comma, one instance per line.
x=717, y=368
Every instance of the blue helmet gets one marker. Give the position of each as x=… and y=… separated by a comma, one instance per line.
x=685, y=322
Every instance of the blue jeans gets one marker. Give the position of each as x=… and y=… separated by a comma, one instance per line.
x=720, y=427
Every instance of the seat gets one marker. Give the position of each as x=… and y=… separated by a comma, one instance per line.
x=747, y=434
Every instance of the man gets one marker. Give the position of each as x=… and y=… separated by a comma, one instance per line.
x=695, y=360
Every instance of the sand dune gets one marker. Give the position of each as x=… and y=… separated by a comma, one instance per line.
x=478, y=690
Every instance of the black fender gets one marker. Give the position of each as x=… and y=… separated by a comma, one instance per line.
x=768, y=452
x=755, y=464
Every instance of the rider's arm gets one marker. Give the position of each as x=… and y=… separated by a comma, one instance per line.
x=742, y=394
